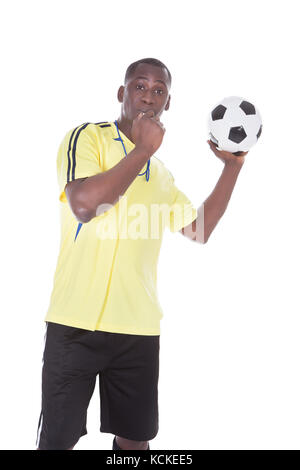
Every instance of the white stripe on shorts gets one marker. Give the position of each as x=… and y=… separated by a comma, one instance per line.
x=41, y=415
x=39, y=431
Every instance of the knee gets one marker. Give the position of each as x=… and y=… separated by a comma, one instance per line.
x=71, y=448
x=127, y=444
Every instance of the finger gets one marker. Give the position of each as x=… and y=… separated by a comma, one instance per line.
x=214, y=149
x=213, y=146
x=155, y=118
x=211, y=143
x=150, y=113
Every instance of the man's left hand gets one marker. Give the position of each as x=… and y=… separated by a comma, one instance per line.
x=227, y=157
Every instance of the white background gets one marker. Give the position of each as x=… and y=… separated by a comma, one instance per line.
x=229, y=364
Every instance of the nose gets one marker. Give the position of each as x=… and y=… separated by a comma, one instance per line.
x=147, y=97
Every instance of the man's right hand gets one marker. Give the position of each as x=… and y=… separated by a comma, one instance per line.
x=147, y=132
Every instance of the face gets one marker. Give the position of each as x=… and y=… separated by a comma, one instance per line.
x=147, y=88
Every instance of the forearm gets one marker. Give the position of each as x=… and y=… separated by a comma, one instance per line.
x=105, y=188
x=210, y=212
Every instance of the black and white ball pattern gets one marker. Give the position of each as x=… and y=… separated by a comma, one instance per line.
x=234, y=124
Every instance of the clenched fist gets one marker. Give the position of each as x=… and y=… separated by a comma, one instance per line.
x=147, y=132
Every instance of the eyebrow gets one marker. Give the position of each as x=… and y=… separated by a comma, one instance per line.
x=145, y=78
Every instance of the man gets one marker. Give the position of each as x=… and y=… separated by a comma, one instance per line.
x=104, y=312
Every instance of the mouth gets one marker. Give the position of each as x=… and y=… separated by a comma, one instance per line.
x=145, y=110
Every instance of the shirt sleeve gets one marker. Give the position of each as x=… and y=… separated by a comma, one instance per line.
x=78, y=157
x=182, y=211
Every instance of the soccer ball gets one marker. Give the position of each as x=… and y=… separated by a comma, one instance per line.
x=234, y=125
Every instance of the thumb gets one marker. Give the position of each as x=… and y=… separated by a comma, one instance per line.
x=150, y=113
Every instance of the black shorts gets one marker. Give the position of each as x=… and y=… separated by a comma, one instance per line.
x=128, y=368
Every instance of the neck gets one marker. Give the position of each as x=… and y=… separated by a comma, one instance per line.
x=125, y=126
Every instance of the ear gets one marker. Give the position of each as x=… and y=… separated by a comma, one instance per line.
x=168, y=103
x=121, y=94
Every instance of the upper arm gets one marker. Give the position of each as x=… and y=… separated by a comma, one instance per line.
x=196, y=230
x=189, y=230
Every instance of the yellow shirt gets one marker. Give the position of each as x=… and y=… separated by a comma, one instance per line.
x=105, y=278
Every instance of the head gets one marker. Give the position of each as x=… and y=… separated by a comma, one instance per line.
x=146, y=86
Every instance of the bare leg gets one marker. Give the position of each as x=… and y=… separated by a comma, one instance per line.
x=67, y=449
x=127, y=444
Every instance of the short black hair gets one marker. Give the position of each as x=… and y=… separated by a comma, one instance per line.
x=131, y=68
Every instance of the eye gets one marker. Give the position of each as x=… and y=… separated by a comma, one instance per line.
x=160, y=92
x=139, y=86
